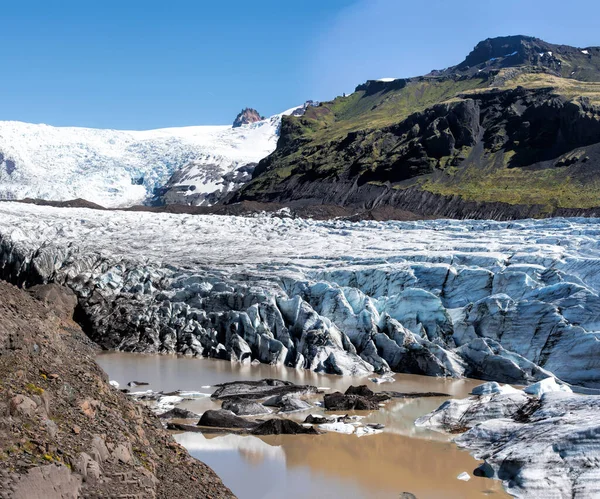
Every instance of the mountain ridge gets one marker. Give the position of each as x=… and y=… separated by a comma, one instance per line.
x=520, y=129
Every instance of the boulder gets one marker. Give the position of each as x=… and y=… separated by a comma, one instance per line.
x=282, y=427
x=311, y=419
x=224, y=419
x=340, y=402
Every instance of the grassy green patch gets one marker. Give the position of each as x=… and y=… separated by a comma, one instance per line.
x=552, y=187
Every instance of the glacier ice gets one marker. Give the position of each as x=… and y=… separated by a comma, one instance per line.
x=513, y=302
x=124, y=167
x=540, y=444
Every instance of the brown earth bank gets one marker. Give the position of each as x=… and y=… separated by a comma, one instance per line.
x=65, y=432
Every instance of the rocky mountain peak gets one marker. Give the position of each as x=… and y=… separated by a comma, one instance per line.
x=247, y=116
x=527, y=51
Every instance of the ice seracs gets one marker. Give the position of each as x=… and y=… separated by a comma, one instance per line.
x=512, y=302
x=117, y=168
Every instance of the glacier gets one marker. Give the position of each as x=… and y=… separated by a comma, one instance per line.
x=541, y=442
x=118, y=168
x=514, y=302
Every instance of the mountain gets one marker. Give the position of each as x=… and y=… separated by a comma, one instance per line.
x=247, y=116
x=118, y=168
x=513, y=131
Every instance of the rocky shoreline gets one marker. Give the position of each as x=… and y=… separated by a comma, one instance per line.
x=65, y=432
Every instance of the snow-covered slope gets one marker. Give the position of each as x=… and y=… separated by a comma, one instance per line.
x=119, y=168
x=511, y=302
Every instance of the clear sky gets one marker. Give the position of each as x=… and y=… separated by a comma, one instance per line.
x=146, y=64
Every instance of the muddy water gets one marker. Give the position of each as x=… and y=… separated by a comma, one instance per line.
x=401, y=459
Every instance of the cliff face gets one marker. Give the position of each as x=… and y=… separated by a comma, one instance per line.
x=513, y=136
x=64, y=431
x=247, y=116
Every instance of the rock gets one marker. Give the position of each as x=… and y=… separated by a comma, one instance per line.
x=178, y=413
x=224, y=419
x=247, y=116
x=60, y=299
x=88, y=408
x=51, y=427
x=484, y=470
x=311, y=419
x=22, y=405
x=260, y=389
x=49, y=481
x=137, y=383
x=122, y=453
x=87, y=467
x=407, y=495
x=282, y=427
x=339, y=402
x=242, y=407
x=356, y=398
x=76, y=429
x=98, y=449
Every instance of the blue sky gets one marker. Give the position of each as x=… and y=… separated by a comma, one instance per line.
x=146, y=64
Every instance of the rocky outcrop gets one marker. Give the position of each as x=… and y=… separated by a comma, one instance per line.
x=224, y=419
x=247, y=116
x=485, y=136
x=64, y=430
x=543, y=444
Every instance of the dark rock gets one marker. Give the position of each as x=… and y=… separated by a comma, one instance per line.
x=484, y=470
x=407, y=495
x=242, y=407
x=362, y=390
x=340, y=402
x=282, y=427
x=137, y=383
x=376, y=426
x=310, y=419
x=224, y=419
x=178, y=413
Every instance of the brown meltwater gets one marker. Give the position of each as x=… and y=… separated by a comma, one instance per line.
x=403, y=458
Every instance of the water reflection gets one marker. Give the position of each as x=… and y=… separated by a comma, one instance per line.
x=403, y=458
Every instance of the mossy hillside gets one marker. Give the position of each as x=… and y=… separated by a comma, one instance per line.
x=364, y=111
x=493, y=180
